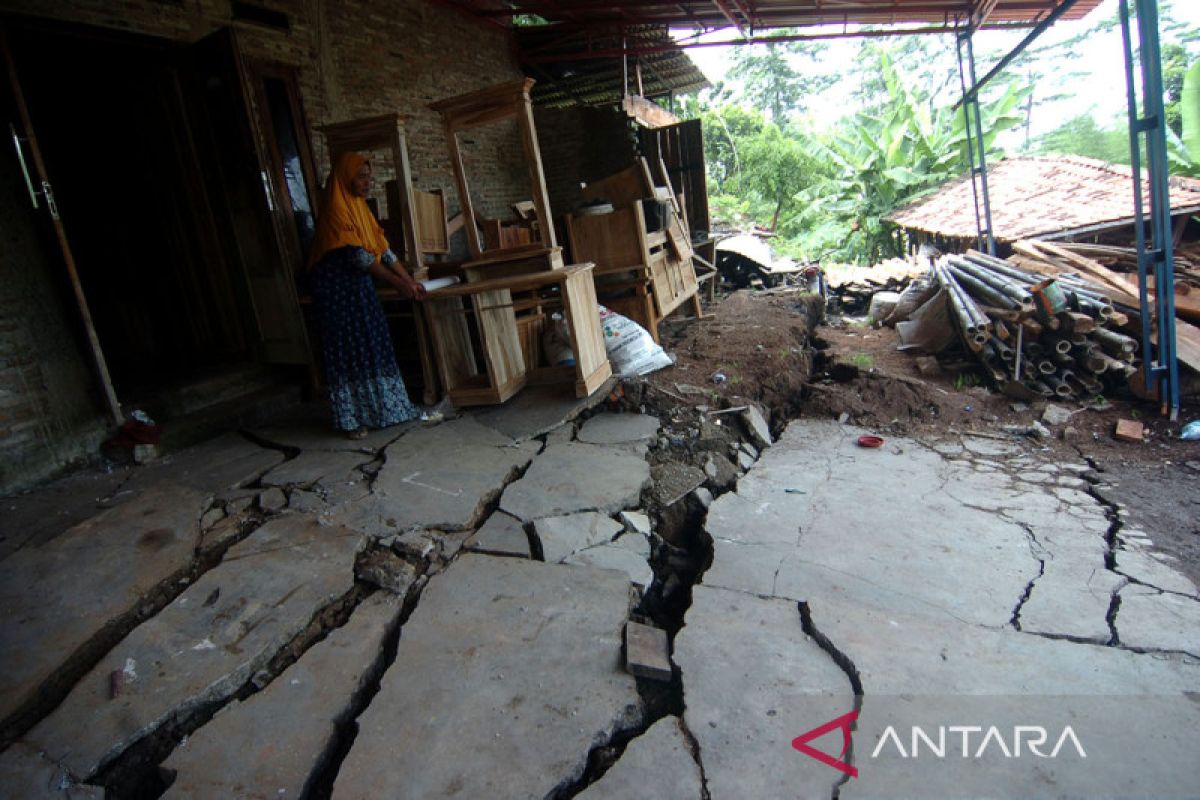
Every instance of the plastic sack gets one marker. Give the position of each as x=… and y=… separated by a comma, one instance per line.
x=915, y=295
x=630, y=348
x=1191, y=431
x=556, y=343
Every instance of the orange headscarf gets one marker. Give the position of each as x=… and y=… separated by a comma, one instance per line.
x=346, y=220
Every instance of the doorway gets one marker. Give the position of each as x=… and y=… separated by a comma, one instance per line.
x=165, y=199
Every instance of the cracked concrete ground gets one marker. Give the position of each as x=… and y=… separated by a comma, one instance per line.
x=438, y=612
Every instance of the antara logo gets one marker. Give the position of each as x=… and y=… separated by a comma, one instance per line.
x=844, y=722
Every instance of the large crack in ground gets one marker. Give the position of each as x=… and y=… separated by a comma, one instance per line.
x=846, y=665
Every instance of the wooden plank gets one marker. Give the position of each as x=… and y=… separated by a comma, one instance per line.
x=610, y=241
x=429, y=208
x=537, y=176
x=647, y=112
x=453, y=350
x=622, y=189
x=583, y=320
x=498, y=333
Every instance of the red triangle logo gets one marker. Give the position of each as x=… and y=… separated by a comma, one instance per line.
x=844, y=722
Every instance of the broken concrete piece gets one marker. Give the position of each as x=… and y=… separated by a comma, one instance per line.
x=388, y=571
x=1056, y=415
x=647, y=652
x=60, y=596
x=614, y=556
x=211, y=517
x=206, y=644
x=272, y=500
x=745, y=460
x=539, y=647
x=441, y=477
x=760, y=432
x=1158, y=620
x=673, y=481
x=223, y=533
x=573, y=477
x=740, y=709
x=1129, y=430
x=538, y=410
x=562, y=536
x=303, y=707
x=29, y=775
x=636, y=522
x=619, y=429
x=502, y=535
x=658, y=764
x=704, y=496
x=316, y=467
x=929, y=366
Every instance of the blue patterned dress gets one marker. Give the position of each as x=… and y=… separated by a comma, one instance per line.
x=365, y=387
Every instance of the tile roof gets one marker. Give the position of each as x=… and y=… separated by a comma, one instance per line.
x=1041, y=196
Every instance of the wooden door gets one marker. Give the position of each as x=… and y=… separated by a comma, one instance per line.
x=260, y=231
x=41, y=195
x=681, y=147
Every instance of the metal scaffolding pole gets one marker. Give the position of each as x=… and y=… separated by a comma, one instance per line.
x=1155, y=255
x=976, y=142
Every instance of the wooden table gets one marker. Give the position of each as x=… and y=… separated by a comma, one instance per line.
x=498, y=370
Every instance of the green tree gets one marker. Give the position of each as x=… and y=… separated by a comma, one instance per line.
x=770, y=79
x=1082, y=136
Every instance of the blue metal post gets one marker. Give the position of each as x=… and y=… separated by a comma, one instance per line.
x=1155, y=252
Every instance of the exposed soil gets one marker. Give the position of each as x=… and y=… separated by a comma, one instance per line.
x=774, y=351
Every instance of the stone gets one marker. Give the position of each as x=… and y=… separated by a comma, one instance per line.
x=749, y=450
x=745, y=460
x=272, y=500
x=752, y=682
x=501, y=535
x=144, y=453
x=61, y=595
x=673, y=481
x=226, y=462
x=619, y=429
x=562, y=536
x=703, y=496
x=309, y=468
x=760, y=432
x=1129, y=430
x=303, y=707
x=710, y=469
x=388, y=571
x=29, y=775
x=647, y=652
x=1158, y=620
x=441, y=477
x=305, y=502
x=511, y=662
x=568, y=478
x=319, y=435
x=929, y=366
x=657, y=764
x=1056, y=415
x=206, y=644
x=843, y=418
x=211, y=517
x=1070, y=434
x=636, y=521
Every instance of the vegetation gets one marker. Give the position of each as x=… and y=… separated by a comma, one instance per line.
x=825, y=186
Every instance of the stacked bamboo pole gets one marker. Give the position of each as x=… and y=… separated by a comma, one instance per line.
x=1065, y=353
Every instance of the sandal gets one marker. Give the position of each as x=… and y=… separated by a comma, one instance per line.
x=361, y=433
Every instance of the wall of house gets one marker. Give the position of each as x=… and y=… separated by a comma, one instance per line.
x=354, y=58
x=49, y=412
x=581, y=145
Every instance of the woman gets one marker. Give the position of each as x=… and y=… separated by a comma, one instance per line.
x=348, y=251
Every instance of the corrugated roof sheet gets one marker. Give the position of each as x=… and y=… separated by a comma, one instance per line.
x=1040, y=196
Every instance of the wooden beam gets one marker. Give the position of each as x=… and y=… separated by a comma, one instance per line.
x=647, y=112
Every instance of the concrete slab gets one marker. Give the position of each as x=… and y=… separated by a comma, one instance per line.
x=673, y=481
x=571, y=533
x=657, y=764
x=760, y=432
x=226, y=462
x=636, y=522
x=59, y=597
x=619, y=429
x=538, y=410
x=38, y=516
x=206, y=644
x=752, y=682
x=274, y=742
x=620, y=557
x=317, y=467
x=439, y=477
x=314, y=435
x=39, y=778
x=502, y=535
x=1158, y=620
x=1141, y=563
x=1071, y=600
x=568, y=478
x=505, y=662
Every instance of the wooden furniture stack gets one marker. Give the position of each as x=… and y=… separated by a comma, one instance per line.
x=644, y=267
x=514, y=274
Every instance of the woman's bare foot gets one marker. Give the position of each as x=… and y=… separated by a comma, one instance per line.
x=361, y=433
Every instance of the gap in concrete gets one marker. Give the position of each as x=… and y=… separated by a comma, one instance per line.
x=288, y=452
x=135, y=774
